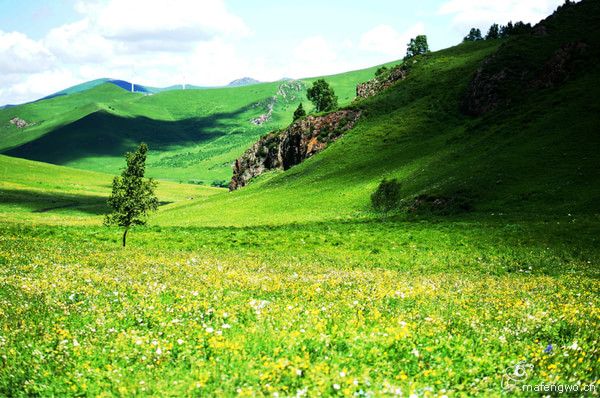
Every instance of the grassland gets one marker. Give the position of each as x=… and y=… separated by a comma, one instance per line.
x=293, y=286
x=325, y=309
x=194, y=135
x=34, y=192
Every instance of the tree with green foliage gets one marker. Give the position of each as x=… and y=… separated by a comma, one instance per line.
x=518, y=28
x=299, y=112
x=493, y=33
x=474, y=35
x=417, y=46
x=322, y=96
x=387, y=196
x=132, y=196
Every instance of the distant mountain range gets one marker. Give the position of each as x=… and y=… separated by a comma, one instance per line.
x=138, y=88
x=244, y=81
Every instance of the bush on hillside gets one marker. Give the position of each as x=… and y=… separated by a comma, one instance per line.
x=387, y=196
x=381, y=70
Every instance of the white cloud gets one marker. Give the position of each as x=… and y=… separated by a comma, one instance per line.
x=36, y=85
x=482, y=13
x=152, y=41
x=79, y=42
x=313, y=56
x=19, y=54
x=386, y=40
x=172, y=21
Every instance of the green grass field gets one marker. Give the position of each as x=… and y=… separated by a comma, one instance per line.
x=293, y=286
x=194, y=135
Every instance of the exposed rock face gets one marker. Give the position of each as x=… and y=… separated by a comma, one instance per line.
x=484, y=91
x=558, y=68
x=287, y=148
x=19, y=123
x=541, y=58
x=287, y=92
x=380, y=83
x=494, y=81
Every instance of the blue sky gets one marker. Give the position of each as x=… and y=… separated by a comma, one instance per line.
x=48, y=45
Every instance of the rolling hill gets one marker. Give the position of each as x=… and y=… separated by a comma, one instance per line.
x=536, y=153
x=292, y=285
x=35, y=192
x=194, y=135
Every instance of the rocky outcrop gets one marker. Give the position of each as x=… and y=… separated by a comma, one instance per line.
x=560, y=65
x=553, y=51
x=287, y=92
x=380, y=83
x=19, y=123
x=485, y=89
x=496, y=81
x=289, y=147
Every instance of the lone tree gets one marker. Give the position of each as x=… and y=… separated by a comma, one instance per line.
x=474, y=35
x=132, y=196
x=417, y=46
x=322, y=96
x=493, y=33
x=299, y=112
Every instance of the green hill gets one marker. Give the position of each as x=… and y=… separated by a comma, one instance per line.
x=37, y=192
x=537, y=153
x=194, y=135
x=292, y=285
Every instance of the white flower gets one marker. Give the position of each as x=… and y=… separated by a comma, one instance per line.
x=574, y=346
x=75, y=343
x=209, y=330
x=415, y=352
x=226, y=326
x=298, y=372
x=336, y=386
x=179, y=341
x=158, y=351
x=342, y=374
x=138, y=342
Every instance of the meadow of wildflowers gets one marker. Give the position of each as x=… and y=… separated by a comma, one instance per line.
x=365, y=309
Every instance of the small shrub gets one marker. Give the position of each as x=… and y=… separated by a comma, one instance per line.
x=387, y=196
x=381, y=70
x=220, y=184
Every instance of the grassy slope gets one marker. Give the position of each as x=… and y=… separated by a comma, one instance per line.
x=35, y=192
x=359, y=308
x=538, y=156
x=194, y=135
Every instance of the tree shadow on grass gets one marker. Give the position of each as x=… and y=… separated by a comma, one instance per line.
x=43, y=202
